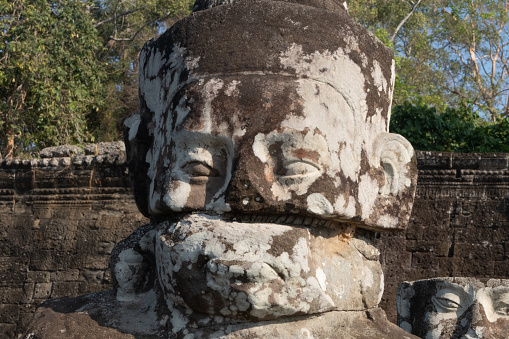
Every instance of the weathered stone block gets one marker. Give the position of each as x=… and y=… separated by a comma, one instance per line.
x=451, y=266
x=92, y=276
x=11, y=295
x=7, y=330
x=28, y=292
x=105, y=247
x=64, y=289
x=434, y=160
x=63, y=276
x=9, y=313
x=38, y=276
x=42, y=290
x=494, y=162
x=60, y=151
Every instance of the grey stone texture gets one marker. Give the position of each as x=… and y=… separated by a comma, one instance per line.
x=60, y=151
x=444, y=308
x=101, y=148
x=261, y=154
x=59, y=219
x=106, y=218
x=459, y=225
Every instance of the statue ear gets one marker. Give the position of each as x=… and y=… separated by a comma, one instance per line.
x=395, y=154
x=403, y=305
x=394, y=202
x=137, y=141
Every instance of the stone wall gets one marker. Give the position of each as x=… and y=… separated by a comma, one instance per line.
x=60, y=218
x=459, y=225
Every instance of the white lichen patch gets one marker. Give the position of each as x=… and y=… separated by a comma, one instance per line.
x=319, y=205
x=232, y=89
x=378, y=77
x=209, y=93
x=304, y=157
x=335, y=69
x=133, y=123
x=388, y=221
x=366, y=197
x=241, y=268
x=322, y=278
x=345, y=208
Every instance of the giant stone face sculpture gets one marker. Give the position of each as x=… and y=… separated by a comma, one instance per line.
x=243, y=115
x=261, y=153
x=454, y=308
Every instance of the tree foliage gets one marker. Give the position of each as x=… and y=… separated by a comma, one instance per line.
x=475, y=37
x=68, y=68
x=455, y=130
x=404, y=26
x=123, y=27
x=448, y=52
x=50, y=77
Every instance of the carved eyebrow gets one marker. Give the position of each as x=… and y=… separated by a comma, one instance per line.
x=343, y=94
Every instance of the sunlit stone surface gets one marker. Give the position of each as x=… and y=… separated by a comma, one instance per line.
x=455, y=308
x=261, y=153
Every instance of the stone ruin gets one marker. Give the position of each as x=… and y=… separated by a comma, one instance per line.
x=443, y=308
x=262, y=156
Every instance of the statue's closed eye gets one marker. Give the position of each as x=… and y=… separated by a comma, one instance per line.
x=199, y=169
x=501, y=304
x=446, y=301
x=297, y=168
x=446, y=304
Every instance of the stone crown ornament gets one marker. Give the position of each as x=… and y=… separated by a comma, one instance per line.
x=269, y=107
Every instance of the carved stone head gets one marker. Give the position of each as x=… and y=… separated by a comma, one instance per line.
x=244, y=115
x=261, y=145
x=454, y=308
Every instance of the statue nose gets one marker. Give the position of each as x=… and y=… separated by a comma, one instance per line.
x=244, y=271
x=479, y=321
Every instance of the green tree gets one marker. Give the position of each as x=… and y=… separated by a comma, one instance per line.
x=404, y=26
x=68, y=68
x=448, y=52
x=123, y=28
x=475, y=37
x=454, y=130
x=50, y=74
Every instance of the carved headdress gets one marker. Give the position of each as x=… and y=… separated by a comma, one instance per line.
x=260, y=66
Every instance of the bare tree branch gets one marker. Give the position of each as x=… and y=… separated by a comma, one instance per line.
x=404, y=20
x=113, y=38
x=117, y=15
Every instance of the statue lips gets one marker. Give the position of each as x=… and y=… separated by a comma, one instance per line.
x=217, y=265
x=243, y=272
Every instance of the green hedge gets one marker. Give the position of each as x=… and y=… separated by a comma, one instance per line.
x=455, y=130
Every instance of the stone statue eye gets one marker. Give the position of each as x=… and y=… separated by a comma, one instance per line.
x=296, y=168
x=502, y=310
x=447, y=302
x=199, y=169
x=501, y=304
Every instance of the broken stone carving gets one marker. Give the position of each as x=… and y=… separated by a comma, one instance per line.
x=454, y=308
x=261, y=153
